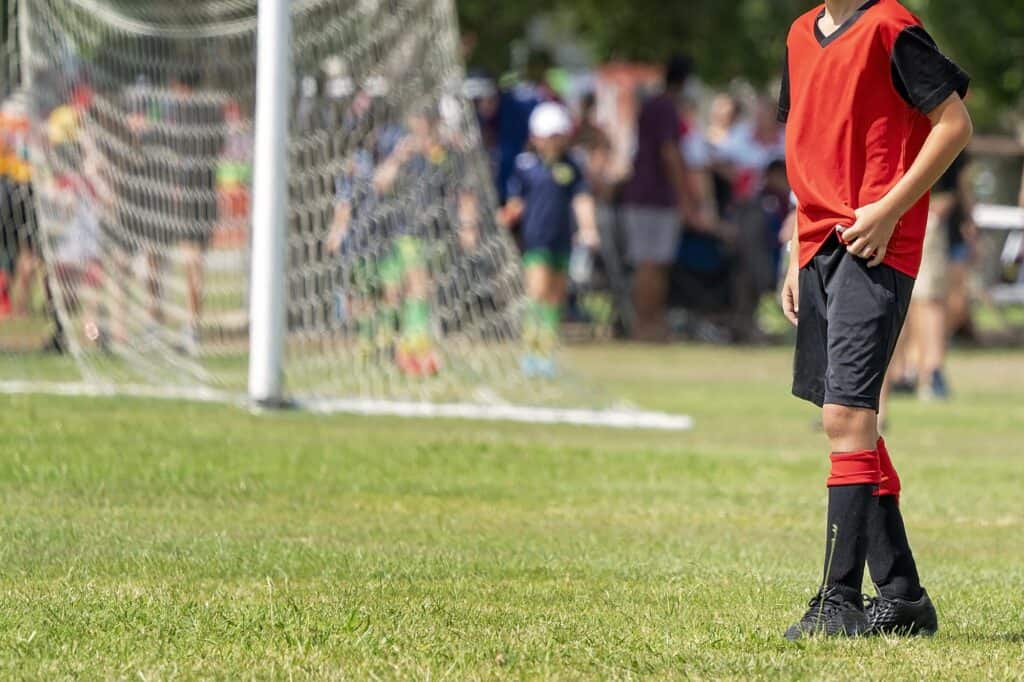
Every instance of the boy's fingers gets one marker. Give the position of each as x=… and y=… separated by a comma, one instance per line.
x=790, y=306
x=861, y=248
x=879, y=257
x=841, y=233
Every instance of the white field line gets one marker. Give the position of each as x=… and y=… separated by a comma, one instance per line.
x=611, y=418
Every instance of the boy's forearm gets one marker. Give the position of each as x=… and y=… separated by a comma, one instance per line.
x=794, y=248
x=951, y=131
x=511, y=212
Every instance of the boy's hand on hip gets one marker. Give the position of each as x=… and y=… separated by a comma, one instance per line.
x=791, y=294
x=869, y=237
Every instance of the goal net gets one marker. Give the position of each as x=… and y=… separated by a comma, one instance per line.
x=127, y=161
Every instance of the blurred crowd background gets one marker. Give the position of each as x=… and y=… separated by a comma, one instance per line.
x=675, y=128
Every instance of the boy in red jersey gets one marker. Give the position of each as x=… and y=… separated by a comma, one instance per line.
x=874, y=115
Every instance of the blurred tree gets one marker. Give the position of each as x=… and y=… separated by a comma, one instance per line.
x=746, y=38
x=489, y=32
x=987, y=38
x=726, y=39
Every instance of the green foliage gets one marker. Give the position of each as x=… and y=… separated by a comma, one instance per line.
x=747, y=37
x=987, y=38
x=159, y=540
x=727, y=39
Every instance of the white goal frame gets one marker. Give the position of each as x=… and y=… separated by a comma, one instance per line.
x=267, y=279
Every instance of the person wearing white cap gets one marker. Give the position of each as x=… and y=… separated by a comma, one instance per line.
x=548, y=200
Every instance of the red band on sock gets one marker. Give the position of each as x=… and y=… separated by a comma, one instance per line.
x=890, y=483
x=855, y=468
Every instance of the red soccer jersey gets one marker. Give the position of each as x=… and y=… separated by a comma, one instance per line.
x=856, y=104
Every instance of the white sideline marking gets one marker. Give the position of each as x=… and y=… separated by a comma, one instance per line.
x=611, y=418
x=617, y=419
x=80, y=390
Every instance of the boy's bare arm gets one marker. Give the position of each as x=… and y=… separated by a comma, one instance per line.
x=951, y=131
x=469, y=220
x=586, y=219
x=342, y=218
x=791, y=284
x=511, y=213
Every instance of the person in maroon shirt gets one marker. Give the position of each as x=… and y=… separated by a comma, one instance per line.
x=658, y=200
x=875, y=116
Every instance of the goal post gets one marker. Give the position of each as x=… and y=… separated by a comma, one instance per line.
x=266, y=202
x=270, y=168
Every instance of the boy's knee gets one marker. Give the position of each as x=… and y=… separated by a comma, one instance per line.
x=839, y=421
x=850, y=428
x=852, y=432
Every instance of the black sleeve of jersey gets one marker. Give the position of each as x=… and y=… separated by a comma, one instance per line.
x=924, y=77
x=783, y=114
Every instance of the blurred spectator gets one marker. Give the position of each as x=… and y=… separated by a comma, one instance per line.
x=758, y=250
x=549, y=197
x=517, y=101
x=752, y=146
x=963, y=243
x=483, y=93
x=77, y=252
x=723, y=118
x=657, y=202
x=921, y=353
x=18, y=227
x=594, y=146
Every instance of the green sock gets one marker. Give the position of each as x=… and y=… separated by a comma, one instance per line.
x=416, y=322
x=532, y=325
x=550, y=319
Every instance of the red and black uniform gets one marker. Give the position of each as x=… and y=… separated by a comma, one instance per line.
x=856, y=105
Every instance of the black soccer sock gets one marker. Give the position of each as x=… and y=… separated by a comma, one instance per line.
x=890, y=560
x=846, y=545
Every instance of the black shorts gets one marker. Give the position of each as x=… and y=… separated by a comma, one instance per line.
x=850, y=319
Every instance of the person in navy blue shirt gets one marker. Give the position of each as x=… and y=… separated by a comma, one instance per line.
x=549, y=199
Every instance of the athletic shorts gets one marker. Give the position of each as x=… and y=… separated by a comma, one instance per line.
x=850, y=319
x=556, y=259
x=652, y=234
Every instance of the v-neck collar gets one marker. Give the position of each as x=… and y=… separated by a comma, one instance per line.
x=826, y=40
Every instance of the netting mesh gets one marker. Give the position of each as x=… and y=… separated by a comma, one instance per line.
x=138, y=123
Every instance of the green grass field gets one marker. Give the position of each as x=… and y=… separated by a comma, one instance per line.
x=152, y=540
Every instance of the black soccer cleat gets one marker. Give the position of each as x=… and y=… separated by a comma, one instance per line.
x=894, y=616
x=831, y=614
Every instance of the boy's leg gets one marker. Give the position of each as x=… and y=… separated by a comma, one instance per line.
x=890, y=559
x=867, y=309
x=850, y=317
x=538, y=322
x=902, y=605
x=856, y=473
x=24, y=276
x=416, y=348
